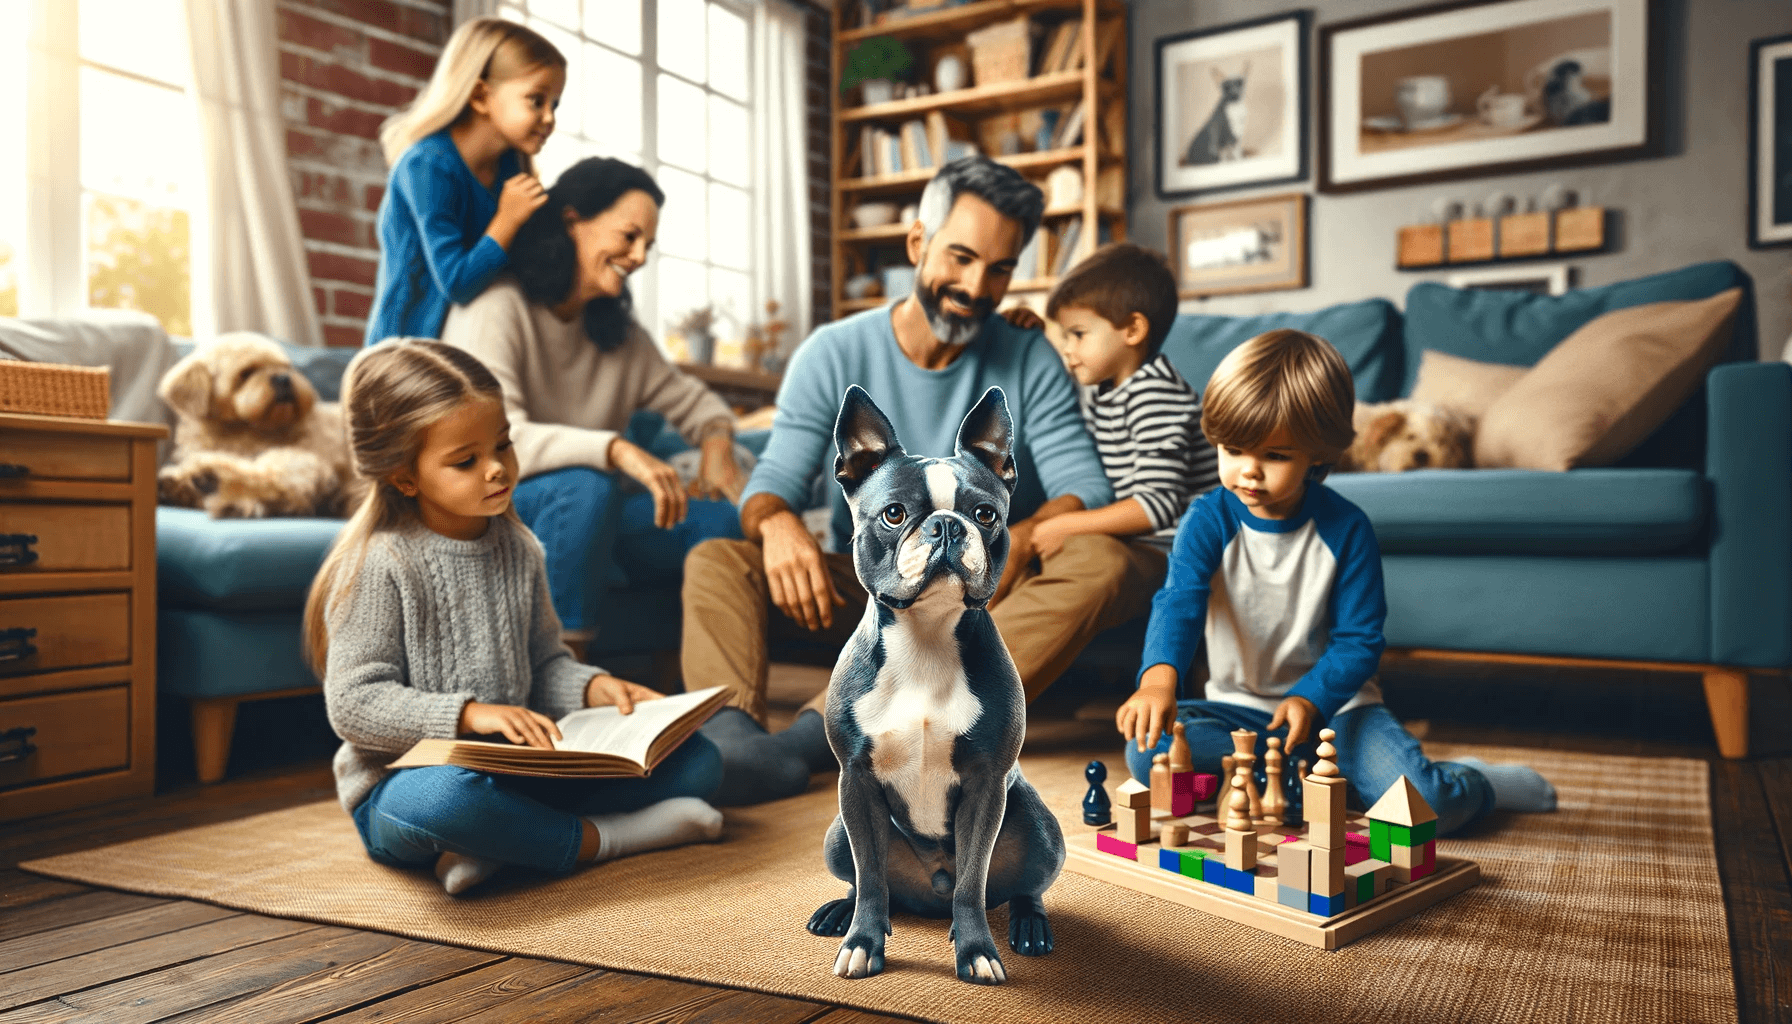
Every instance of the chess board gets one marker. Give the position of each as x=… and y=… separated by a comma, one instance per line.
x=1260, y=908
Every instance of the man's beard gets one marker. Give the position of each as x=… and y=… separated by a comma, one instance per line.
x=948, y=328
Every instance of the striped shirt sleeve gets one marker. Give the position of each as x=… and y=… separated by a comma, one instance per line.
x=1148, y=433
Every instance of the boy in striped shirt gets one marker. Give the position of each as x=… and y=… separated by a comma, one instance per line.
x=1115, y=309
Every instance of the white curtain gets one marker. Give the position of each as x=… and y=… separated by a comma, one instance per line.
x=467, y=10
x=780, y=257
x=250, y=272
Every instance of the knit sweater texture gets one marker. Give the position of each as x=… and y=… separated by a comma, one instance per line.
x=566, y=398
x=431, y=624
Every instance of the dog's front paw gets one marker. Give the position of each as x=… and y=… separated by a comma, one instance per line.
x=978, y=961
x=861, y=955
x=220, y=506
x=833, y=917
x=1029, y=933
x=184, y=486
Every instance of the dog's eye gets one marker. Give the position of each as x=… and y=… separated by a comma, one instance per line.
x=243, y=375
x=986, y=515
x=895, y=514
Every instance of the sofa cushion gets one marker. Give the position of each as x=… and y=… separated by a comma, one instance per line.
x=1366, y=333
x=1465, y=385
x=1514, y=511
x=1598, y=394
x=238, y=564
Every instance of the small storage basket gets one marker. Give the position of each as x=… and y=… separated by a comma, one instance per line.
x=1001, y=52
x=51, y=389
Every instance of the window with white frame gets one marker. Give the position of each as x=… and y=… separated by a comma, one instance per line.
x=98, y=177
x=663, y=84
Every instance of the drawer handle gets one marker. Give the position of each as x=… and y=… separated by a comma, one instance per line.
x=15, y=643
x=12, y=471
x=22, y=737
x=15, y=549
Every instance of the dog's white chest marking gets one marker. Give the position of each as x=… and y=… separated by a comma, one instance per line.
x=917, y=709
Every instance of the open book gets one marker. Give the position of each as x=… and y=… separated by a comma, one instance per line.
x=595, y=743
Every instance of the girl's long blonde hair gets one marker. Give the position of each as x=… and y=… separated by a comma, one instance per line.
x=391, y=394
x=489, y=50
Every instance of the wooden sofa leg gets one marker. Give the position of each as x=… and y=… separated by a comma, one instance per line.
x=1726, y=694
x=214, y=719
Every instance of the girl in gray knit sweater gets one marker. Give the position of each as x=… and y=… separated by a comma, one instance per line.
x=431, y=619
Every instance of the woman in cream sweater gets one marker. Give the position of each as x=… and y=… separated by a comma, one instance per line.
x=561, y=337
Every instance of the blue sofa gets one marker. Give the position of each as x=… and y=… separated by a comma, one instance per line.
x=1679, y=559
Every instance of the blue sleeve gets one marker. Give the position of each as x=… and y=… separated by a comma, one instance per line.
x=802, y=438
x=1053, y=430
x=1179, y=611
x=438, y=203
x=1359, y=607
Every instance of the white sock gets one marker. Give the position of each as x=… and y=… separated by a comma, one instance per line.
x=1515, y=787
x=458, y=872
x=674, y=822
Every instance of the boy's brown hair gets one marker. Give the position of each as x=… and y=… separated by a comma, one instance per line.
x=1282, y=378
x=1116, y=281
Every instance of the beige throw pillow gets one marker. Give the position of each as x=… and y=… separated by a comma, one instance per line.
x=1607, y=386
x=1466, y=385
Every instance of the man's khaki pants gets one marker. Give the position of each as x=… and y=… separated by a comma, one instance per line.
x=1093, y=583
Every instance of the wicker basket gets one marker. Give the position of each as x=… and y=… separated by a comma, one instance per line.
x=51, y=389
x=1002, y=52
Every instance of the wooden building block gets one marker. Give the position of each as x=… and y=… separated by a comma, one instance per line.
x=1356, y=848
x=1325, y=906
x=1424, y=832
x=1327, y=873
x=1580, y=229
x=1182, y=793
x=1173, y=835
x=1420, y=245
x=1170, y=860
x=1323, y=801
x=1134, y=823
x=1424, y=861
x=1471, y=240
x=1132, y=793
x=1160, y=783
x=1359, y=881
x=1524, y=234
x=1241, y=849
x=1289, y=896
x=1107, y=842
x=1384, y=876
x=1192, y=861
x=1406, y=856
x=1293, y=864
x=1264, y=886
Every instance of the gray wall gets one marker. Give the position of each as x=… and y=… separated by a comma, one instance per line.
x=1687, y=205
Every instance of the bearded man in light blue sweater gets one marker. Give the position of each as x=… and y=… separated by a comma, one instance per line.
x=924, y=359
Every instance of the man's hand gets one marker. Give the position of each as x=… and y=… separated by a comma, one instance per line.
x=518, y=725
x=605, y=689
x=1023, y=317
x=1020, y=552
x=718, y=475
x=660, y=480
x=1149, y=712
x=1299, y=714
x=796, y=573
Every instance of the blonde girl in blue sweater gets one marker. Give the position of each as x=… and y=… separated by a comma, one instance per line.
x=462, y=179
x=430, y=618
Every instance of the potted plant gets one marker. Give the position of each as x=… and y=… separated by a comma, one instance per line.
x=876, y=64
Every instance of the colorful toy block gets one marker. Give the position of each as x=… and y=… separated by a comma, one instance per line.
x=1356, y=848
x=1289, y=896
x=1327, y=873
x=1132, y=793
x=1134, y=822
x=1323, y=801
x=1192, y=861
x=1325, y=906
x=1402, y=805
x=1293, y=864
x=1107, y=842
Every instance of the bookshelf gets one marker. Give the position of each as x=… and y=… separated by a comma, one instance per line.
x=986, y=109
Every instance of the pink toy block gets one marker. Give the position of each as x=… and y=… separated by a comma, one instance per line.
x=1206, y=786
x=1182, y=794
x=1106, y=843
x=1356, y=848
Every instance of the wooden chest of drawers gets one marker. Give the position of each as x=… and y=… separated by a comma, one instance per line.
x=77, y=612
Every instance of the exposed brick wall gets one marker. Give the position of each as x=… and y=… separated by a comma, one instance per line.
x=345, y=66
x=819, y=89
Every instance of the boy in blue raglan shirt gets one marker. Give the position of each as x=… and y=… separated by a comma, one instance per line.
x=1283, y=577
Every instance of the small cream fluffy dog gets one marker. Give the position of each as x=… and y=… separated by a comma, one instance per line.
x=253, y=440
x=1393, y=437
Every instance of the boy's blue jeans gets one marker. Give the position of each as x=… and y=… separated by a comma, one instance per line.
x=1374, y=749
x=416, y=814
x=595, y=535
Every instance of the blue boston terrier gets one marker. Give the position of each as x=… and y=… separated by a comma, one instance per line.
x=925, y=709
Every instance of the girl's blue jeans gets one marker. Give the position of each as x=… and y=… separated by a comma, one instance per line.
x=1374, y=749
x=416, y=814
x=596, y=537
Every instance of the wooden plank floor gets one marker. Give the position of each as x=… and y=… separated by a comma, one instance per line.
x=70, y=953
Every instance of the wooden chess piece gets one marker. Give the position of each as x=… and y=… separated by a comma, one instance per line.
x=1181, y=758
x=1244, y=754
x=1274, y=803
x=1325, y=767
x=1222, y=799
x=1161, y=795
x=1095, y=802
x=1241, y=836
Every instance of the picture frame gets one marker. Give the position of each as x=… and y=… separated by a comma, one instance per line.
x=1546, y=279
x=1770, y=142
x=1243, y=245
x=1479, y=87
x=1231, y=106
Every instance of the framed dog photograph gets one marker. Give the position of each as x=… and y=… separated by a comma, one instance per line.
x=1770, y=142
x=1247, y=245
x=1469, y=89
x=1232, y=106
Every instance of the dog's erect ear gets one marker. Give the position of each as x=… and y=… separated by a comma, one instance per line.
x=187, y=387
x=1383, y=427
x=863, y=439
x=987, y=435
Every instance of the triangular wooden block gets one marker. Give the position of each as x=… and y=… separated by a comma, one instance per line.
x=1402, y=805
x=1132, y=793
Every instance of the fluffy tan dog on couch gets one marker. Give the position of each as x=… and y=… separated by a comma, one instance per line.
x=1393, y=437
x=252, y=439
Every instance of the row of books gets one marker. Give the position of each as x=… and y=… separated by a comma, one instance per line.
x=916, y=145
x=1056, y=248
x=1063, y=46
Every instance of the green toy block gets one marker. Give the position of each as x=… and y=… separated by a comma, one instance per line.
x=1380, y=835
x=1192, y=861
x=1424, y=833
x=1365, y=888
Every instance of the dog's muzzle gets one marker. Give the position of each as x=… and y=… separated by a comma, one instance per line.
x=282, y=385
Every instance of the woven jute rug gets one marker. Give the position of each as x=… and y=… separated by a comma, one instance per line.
x=1608, y=910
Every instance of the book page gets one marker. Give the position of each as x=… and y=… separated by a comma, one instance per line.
x=607, y=730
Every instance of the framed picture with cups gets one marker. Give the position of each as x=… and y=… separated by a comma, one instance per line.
x=1770, y=142
x=1485, y=86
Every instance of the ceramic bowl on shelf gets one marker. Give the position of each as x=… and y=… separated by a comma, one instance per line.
x=873, y=215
